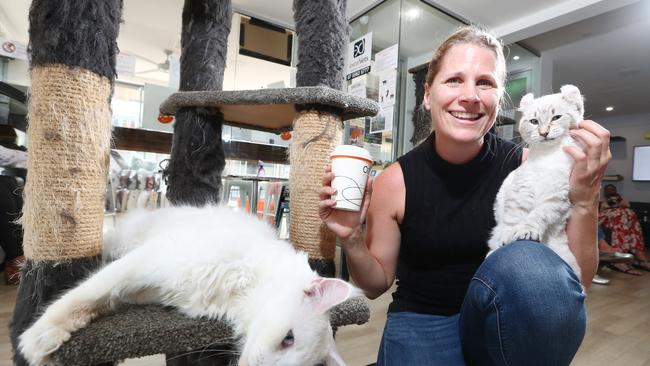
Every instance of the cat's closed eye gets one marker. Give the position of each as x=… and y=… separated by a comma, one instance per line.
x=556, y=117
x=533, y=121
x=287, y=341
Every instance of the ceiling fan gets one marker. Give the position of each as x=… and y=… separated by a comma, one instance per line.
x=160, y=67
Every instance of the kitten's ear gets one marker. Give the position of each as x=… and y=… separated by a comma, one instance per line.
x=571, y=94
x=329, y=292
x=526, y=101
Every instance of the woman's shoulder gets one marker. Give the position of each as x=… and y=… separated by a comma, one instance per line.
x=391, y=177
x=389, y=192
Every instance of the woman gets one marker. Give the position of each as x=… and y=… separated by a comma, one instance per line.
x=428, y=223
x=627, y=236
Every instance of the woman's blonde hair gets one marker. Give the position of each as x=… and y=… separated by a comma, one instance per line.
x=473, y=35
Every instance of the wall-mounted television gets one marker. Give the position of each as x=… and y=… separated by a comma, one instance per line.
x=641, y=163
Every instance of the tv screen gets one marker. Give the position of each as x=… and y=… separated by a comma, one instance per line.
x=641, y=167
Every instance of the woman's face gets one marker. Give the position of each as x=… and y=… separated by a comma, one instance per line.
x=610, y=191
x=464, y=95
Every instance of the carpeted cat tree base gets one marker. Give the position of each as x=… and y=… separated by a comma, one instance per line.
x=139, y=331
x=271, y=109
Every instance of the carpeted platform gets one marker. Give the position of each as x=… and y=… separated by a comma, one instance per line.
x=270, y=109
x=139, y=331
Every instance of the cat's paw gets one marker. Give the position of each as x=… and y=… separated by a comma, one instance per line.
x=526, y=232
x=498, y=240
x=39, y=341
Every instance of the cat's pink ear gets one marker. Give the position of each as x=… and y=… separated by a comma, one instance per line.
x=526, y=101
x=326, y=293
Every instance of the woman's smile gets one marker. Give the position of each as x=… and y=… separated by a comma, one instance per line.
x=466, y=116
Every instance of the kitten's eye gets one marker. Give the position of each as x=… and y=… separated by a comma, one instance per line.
x=556, y=117
x=288, y=340
x=533, y=121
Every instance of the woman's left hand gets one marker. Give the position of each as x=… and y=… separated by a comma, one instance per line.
x=590, y=164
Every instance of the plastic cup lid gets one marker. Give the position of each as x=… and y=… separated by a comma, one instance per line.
x=351, y=151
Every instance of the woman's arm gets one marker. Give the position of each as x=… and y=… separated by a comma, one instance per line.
x=371, y=254
x=584, y=193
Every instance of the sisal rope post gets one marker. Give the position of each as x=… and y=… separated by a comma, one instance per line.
x=69, y=144
x=315, y=135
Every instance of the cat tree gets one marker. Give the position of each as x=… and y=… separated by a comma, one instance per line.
x=316, y=107
x=72, y=71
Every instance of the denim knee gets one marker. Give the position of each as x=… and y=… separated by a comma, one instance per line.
x=535, y=279
x=530, y=268
x=528, y=303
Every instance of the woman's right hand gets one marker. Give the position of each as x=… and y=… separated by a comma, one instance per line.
x=342, y=223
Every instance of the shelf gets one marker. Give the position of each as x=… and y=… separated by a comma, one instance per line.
x=270, y=110
x=612, y=178
x=128, y=333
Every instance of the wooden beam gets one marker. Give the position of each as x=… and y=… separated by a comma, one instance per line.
x=161, y=142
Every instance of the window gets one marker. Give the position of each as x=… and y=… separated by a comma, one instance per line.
x=127, y=105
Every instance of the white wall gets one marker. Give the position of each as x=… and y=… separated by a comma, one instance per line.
x=633, y=128
x=18, y=72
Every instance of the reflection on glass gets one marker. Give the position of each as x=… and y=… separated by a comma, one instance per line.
x=417, y=28
x=127, y=105
x=523, y=69
x=380, y=84
x=422, y=30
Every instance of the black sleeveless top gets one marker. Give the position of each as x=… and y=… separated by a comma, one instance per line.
x=447, y=220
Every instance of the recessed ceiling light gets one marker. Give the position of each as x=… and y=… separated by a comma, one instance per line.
x=412, y=13
x=609, y=109
x=515, y=58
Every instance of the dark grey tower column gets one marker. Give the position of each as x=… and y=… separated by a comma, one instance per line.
x=197, y=158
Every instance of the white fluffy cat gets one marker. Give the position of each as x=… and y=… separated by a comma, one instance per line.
x=206, y=262
x=533, y=201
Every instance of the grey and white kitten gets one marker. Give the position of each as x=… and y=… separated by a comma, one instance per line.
x=533, y=201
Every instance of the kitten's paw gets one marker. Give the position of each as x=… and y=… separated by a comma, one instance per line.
x=527, y=233
x=497, y=241
x=39, y=341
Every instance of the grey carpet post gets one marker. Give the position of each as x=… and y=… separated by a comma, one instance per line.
x=322, y=30
x=40, y=284
x=324, y=267
x=78, y=34
x=75, y=33
x=197, y=159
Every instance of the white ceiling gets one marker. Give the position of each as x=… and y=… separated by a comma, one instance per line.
x=601, y=45
x=607, y=56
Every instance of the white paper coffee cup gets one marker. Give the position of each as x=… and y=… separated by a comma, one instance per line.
x=350, y=165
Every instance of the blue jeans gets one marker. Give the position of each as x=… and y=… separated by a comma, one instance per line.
x=524, y=306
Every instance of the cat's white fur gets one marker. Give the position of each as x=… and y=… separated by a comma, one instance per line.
x=206, y=262
x=533, y=201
